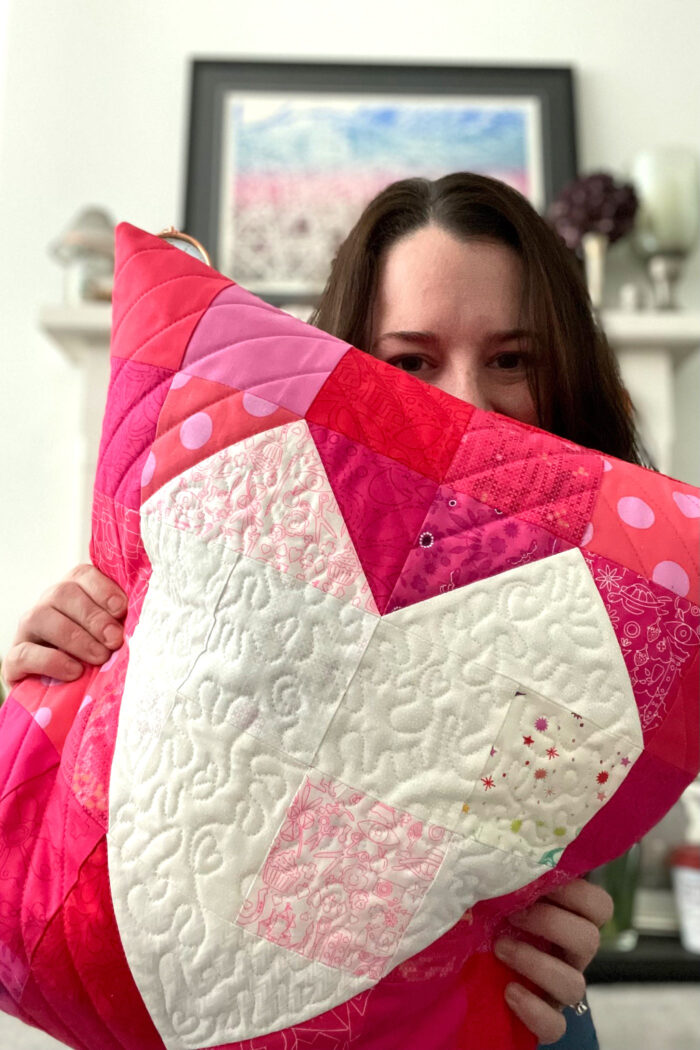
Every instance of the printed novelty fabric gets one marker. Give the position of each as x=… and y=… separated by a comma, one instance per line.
x=393, y=667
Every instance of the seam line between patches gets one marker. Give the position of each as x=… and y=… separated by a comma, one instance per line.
x=162, y=284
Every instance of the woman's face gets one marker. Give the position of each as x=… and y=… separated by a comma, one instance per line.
x=447, y=311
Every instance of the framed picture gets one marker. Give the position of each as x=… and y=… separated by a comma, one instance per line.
x=284, y=156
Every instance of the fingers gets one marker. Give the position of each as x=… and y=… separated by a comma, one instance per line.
x=542, y=1019
x=73, y=619
x=29, y=658
x=584, y=898
x=75, y=625
x=103, y=591
x=578, y=936
x=557, y=978
x=569, y=917
x=74, y=616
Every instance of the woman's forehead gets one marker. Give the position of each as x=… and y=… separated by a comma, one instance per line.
x=430, y=279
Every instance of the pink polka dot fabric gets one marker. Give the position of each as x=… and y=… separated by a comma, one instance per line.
x=649, y=523
x=634, y=512
x=200, y=417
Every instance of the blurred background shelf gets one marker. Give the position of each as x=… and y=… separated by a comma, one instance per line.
x=655, y=959
x=677, y=331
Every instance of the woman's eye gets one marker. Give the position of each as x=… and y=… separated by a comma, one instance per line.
x=513, y=362
x=408, y=362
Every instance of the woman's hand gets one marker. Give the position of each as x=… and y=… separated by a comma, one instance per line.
x=570, y=918
x=79, y=617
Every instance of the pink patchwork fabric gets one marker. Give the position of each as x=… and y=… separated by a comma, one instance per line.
x=523, y=471
x=130, y=425
x=381, y=529
x=201, y=417
x=284, y=367
x=462, y=540
x=343, y=878
x=332, y=568
x=657, y=631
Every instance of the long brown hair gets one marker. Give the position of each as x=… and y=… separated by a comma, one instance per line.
x=574, y=378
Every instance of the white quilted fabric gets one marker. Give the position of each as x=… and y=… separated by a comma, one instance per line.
x=549, y=771
x=543, y=625
x=183, y=851
x=272, y=672
x=269, y=497
x=181, y=604
x=416, y=724
x=266, y=723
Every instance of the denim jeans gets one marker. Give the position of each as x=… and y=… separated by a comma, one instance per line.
x=579, y=1035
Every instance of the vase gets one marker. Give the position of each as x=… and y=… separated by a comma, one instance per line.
x=620, y=878
x=667, y=226
x=595, y=246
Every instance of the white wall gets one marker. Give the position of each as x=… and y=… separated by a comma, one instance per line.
x=93, y=104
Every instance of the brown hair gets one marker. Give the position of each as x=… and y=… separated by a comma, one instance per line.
x=574, y=378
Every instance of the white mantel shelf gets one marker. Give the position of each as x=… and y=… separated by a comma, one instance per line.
x=677, y=331
x=88, y=317
x=649, y=345
x=77, y=329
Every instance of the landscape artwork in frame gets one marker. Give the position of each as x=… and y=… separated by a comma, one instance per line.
x=298, y=171
x=295, y=167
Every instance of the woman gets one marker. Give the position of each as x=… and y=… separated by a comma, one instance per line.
x=461, y=283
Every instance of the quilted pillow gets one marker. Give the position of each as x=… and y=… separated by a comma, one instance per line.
x=393, y=667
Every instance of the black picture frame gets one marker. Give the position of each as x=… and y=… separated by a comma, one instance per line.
x=214, y=81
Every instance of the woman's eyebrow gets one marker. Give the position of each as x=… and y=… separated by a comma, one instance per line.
x=430, y=337
x=409, y=337
x=506, y=337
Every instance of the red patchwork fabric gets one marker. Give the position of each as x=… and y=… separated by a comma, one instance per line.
x=72, y=992
x=380, y=407
x=154, y=326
